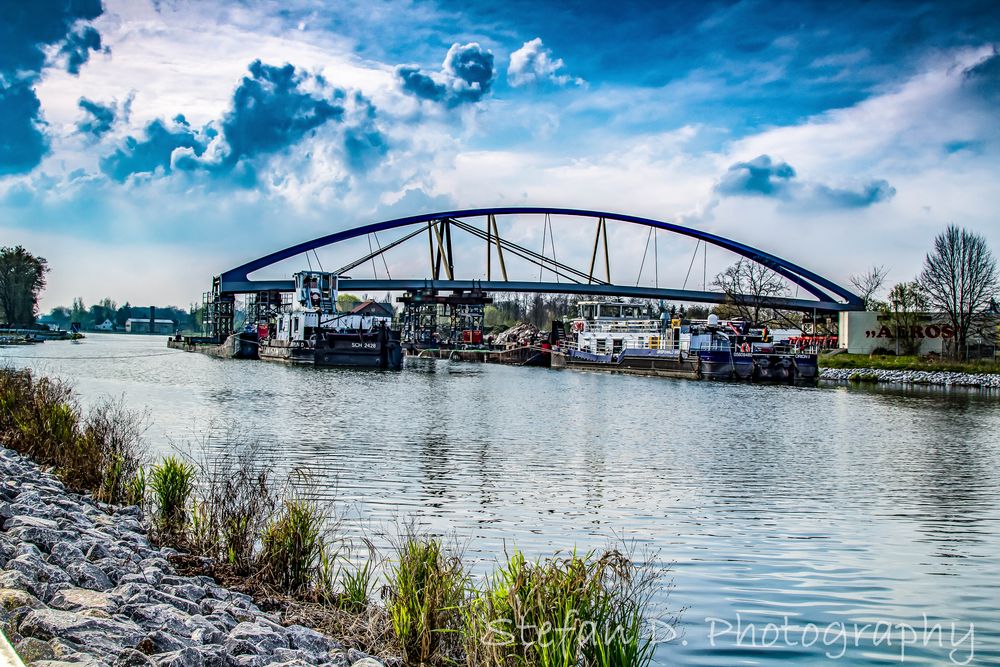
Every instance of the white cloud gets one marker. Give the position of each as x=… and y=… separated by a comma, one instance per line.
x=190, y=62
x=533, y=63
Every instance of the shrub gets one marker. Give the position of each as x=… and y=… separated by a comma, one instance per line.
x=171, y=483
x=426, y=591
x=112, y=438
x=574, y=610
x=235, y=501
x=40, y=418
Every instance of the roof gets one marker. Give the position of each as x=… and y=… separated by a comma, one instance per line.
x=146, y=319
x=372, y=307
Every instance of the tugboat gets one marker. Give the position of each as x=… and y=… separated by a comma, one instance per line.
x=627, y=338
x=312, y=332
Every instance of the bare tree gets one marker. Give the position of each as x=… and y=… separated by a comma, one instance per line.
x=960, y=279
x=747, y=286
x=868, y=285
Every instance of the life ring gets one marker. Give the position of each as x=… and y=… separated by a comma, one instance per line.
x=745, y=347
x=578, y=325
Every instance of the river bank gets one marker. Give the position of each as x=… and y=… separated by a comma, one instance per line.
x=81, y=584
x=921, y=377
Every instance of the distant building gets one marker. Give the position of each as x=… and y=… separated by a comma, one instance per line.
x=142, y=326
x=106, y=325
x=365, y=315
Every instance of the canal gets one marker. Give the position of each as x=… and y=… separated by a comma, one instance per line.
x=854, y=520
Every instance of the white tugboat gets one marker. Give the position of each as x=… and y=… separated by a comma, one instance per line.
x=313, y=332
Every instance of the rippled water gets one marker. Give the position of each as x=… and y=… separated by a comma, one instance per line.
x=844, y=508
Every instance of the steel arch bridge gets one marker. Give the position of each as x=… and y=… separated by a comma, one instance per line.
x=439, y=227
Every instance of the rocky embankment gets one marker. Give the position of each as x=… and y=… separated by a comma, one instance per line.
x=81, y=585
x=941, y=378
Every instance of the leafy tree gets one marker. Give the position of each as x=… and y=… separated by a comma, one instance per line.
x=122, y=315
x=960, y=279
x=347, y=302
x=22, y=278
x=60, y=315
x=78, y=313
x=907, y=303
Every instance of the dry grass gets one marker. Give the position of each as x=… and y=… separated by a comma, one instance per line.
x=99, y=453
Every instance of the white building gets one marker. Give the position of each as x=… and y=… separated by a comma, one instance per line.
x=106, y=325
x=145, y=326
x=863, y=332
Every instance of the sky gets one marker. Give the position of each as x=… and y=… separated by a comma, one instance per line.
x=146, y=145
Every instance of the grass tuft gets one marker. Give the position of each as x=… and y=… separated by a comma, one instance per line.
x=293, y=550
x=425, y=594
x=573, y=610
x=171, y=483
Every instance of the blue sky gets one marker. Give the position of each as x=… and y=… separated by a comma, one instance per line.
x=147, y=145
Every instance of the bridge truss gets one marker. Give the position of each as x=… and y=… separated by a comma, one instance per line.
x=436, y=232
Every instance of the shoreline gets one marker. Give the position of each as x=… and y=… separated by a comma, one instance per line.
x=81, y=584
x=894, y=376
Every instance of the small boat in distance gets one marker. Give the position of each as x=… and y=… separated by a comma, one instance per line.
x=627, y=338
x=312, y=332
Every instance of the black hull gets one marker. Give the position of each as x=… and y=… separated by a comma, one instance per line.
x=522, y=356
x=377, y=350
x=707, y=365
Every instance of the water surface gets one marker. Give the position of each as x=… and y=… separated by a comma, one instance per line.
x=851, y=509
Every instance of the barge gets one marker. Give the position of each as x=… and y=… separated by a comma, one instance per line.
x=626, y=338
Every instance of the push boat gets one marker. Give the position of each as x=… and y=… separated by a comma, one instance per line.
x=312, y=332
x=627, y=338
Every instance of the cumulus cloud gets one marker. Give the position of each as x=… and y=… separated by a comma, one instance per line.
x=155, y=151
x=273, y=108
x=22, y=141
x=364, y=143
x=533, y=63
x=78, y=46
x=26, y=29
x=860, y=196
x=760, y=176
x=466, y=76
x=98, y=118
x=767, y=177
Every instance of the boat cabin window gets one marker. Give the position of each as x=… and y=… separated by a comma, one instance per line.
x=632, y=311
x=295, y=325
x=610, y=310
x=587, y=311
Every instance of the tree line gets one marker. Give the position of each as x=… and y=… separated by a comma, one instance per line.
x=90, y=317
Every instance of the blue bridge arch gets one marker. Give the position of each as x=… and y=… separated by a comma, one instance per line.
x=829, y=297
